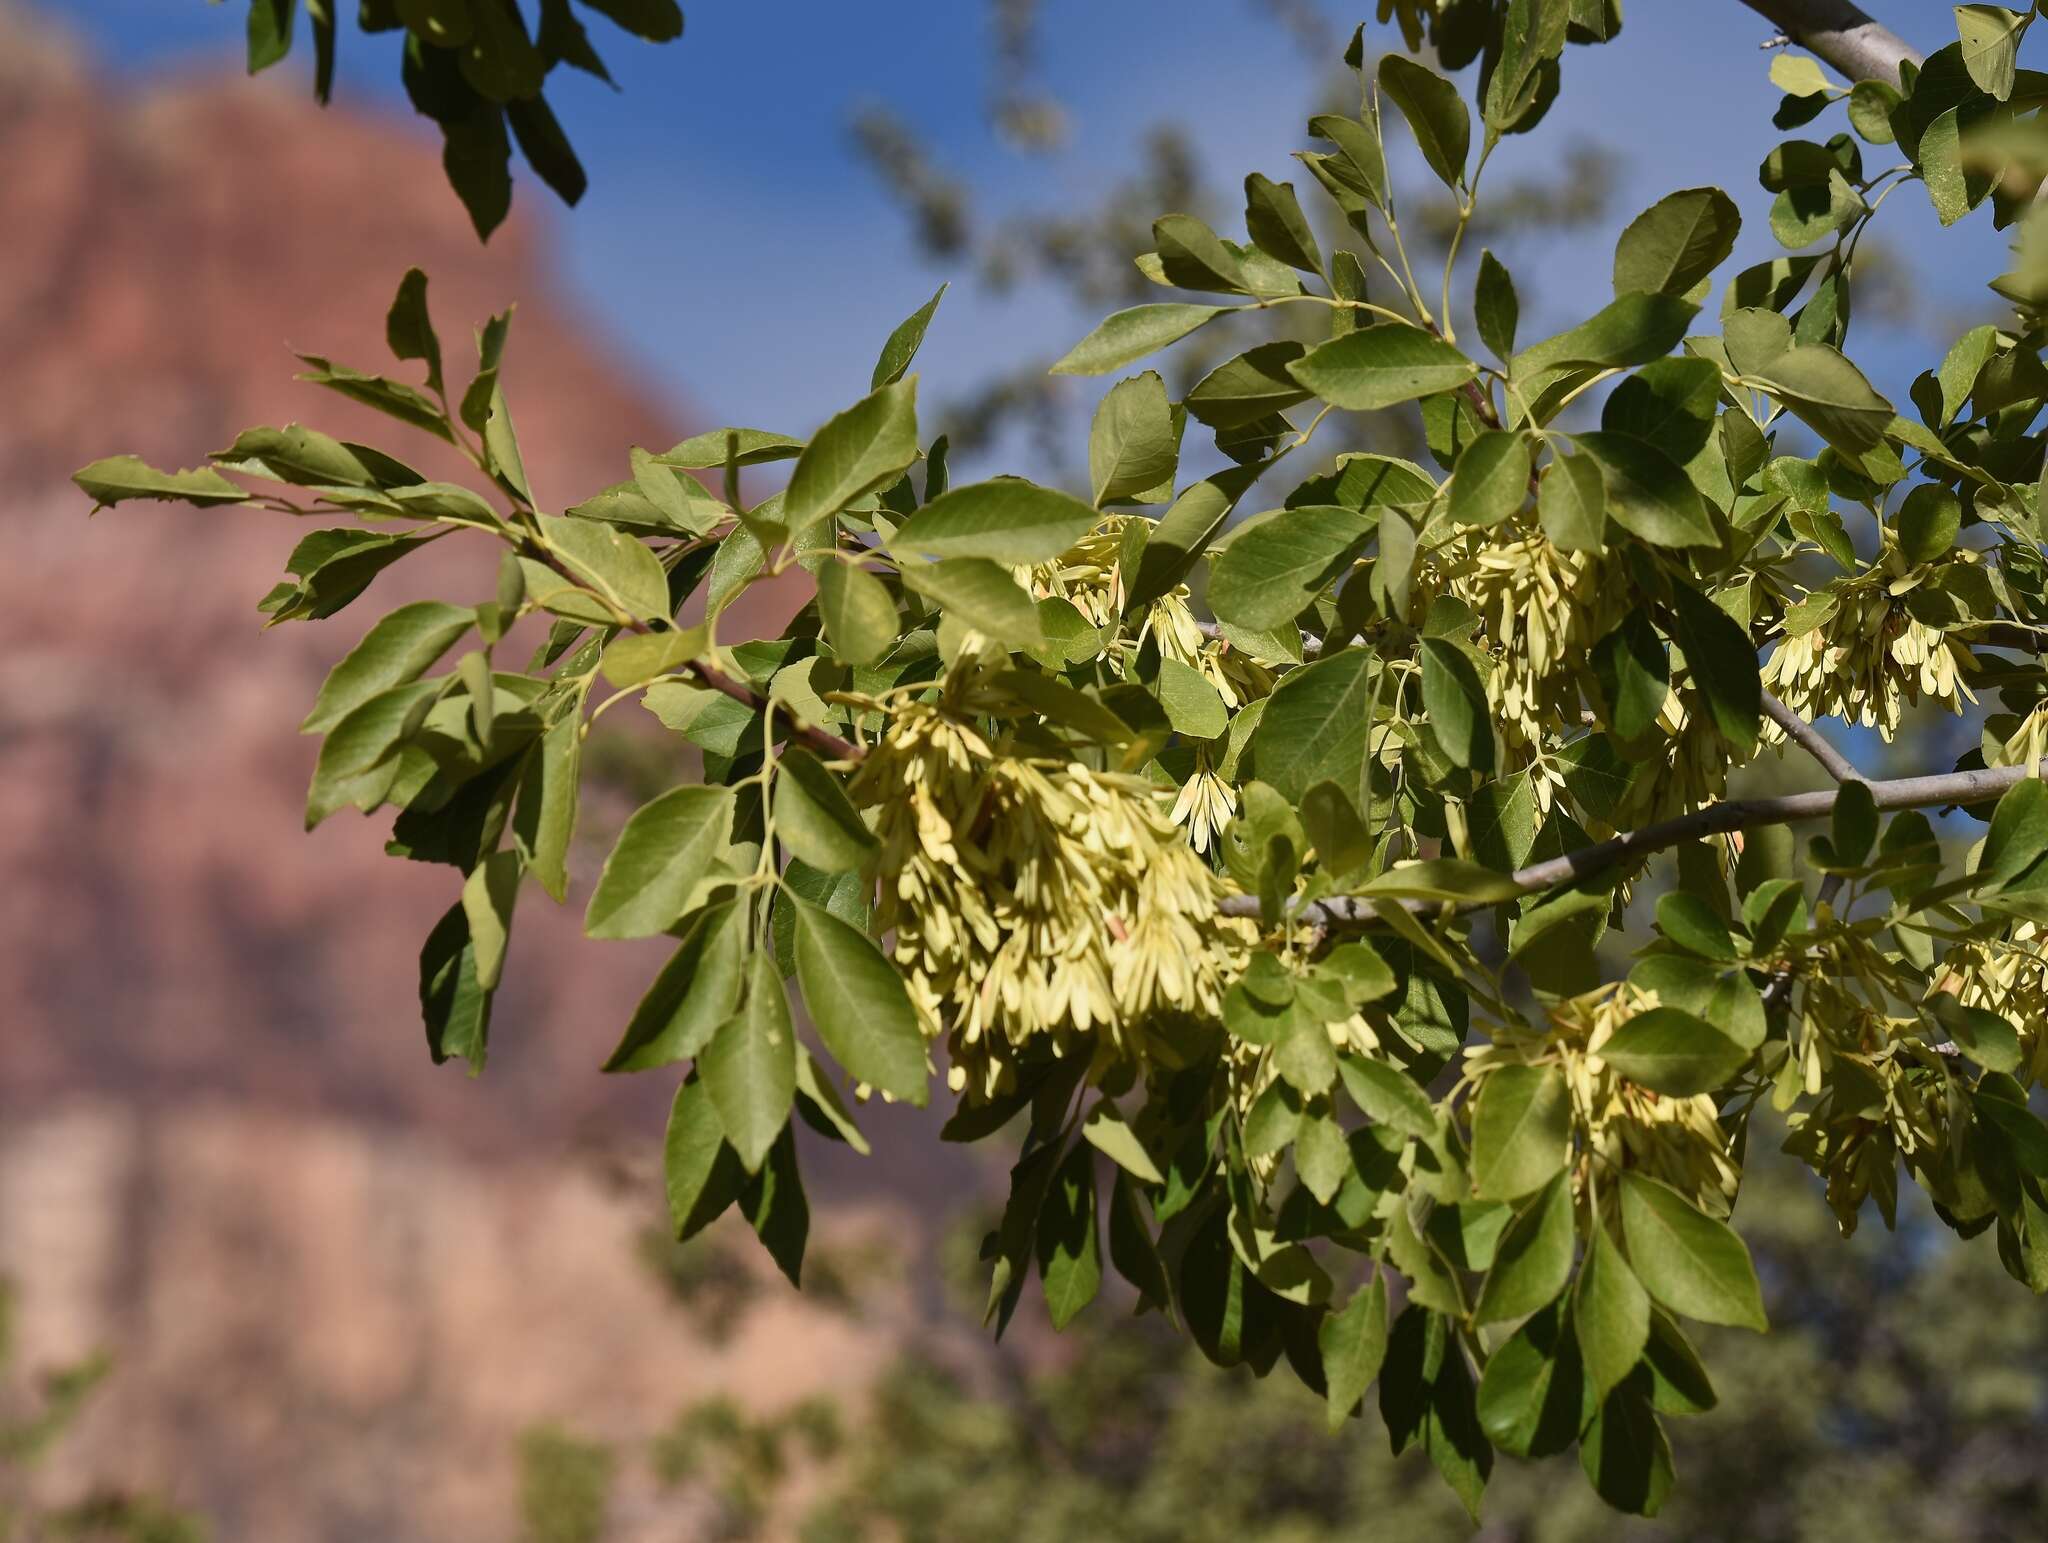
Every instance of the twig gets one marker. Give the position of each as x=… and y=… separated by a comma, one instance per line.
x=1810, y=739
x=1843, y=35
x=824, y=742
x=1714, y=819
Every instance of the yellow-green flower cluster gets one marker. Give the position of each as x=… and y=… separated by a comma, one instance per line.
x=1541, y=610
x=1089, y=576
x=1037, y=903
x=1618, y=1124
x=1870, y=659
x=2007, y=976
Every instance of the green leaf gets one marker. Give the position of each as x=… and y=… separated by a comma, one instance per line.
x=1571, y=503
x=1634, y=672
x=1273, y=217
x=356, y=764
x=823, y=1110
x=982, y=594
x=1532, y=1392
x=1928, y=520
x=1721, y=660
x=1690, y=922
x=750, y=1065
x=396, y=651
x=1382, y=366
x=2018, y=834
x=904, y=342
x=1249, y=388
x=1183, y=534
x=545, y=821
x=1982, y=1035
x=487, y=899
x=1436, y=113
x=1830, y=395
x=813, y=816
x=1359, y=167
x=864, y=448
x=773, y=1203
x=1194, y=257
x=1534, y=1259
x=1007, y=521
x=1353, y=1342
x=119, y=477
x=665, y=857
x=1648, y=492
x=1670, y=1051
x=1990, y=35
x=1626, y=1455
x=1454, y=699
x=1610, y=1314
x=1628, y=330
x=1797, y=75
x=1388, y=1096
x=1315, y=724
x=858, y=1002
x=1521, y=1131
x=1109, y=1133
x=754, y=447
x=1133, y=446
x=858, y=611
x=270, y=32
x=611, y=563
x=695, y=994
x=454, y=1002
x=1273, y=569
x=1132, y=334
x=1492, y=479
x=1675, y=243
x=702, y=1173
x=1193, y=706
x=1854, y=825
x=1691, y=1263
x=1495, y=307
x=1443, y=878
x=1069, y=1252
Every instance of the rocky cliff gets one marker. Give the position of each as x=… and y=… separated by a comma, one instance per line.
x=338, y=1281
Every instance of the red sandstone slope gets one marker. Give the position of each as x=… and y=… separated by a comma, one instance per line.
x=165, y=928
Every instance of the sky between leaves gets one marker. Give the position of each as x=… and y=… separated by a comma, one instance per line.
x=735, y=243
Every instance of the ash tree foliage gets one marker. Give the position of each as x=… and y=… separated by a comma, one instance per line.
x=1262, y=882
x=478, y=69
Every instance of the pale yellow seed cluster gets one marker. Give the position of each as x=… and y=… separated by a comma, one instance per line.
x=1882, y=1105
x=1037, y=902
x=1542, y=610
x=1089, y=576
x=1871, y=660
x=2027, y=745
x=2007, y=976
x=1617, y=1124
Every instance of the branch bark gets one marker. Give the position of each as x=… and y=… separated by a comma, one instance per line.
x=1714, y=819
x=1843, y=35
x=1809, y=739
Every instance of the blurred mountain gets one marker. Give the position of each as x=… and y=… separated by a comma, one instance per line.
x=168, y=930
x=338, y=1282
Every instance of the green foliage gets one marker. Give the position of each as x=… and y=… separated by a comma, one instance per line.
x=478, y=69
x=1286, y=944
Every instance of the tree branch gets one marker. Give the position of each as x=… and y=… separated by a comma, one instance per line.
x=1714, y=819
x=1843, y=35
x=1809, y=739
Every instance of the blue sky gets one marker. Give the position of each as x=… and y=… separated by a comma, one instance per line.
x=734, y=242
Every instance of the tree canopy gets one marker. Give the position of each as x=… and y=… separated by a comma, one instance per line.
x=1333, y=881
